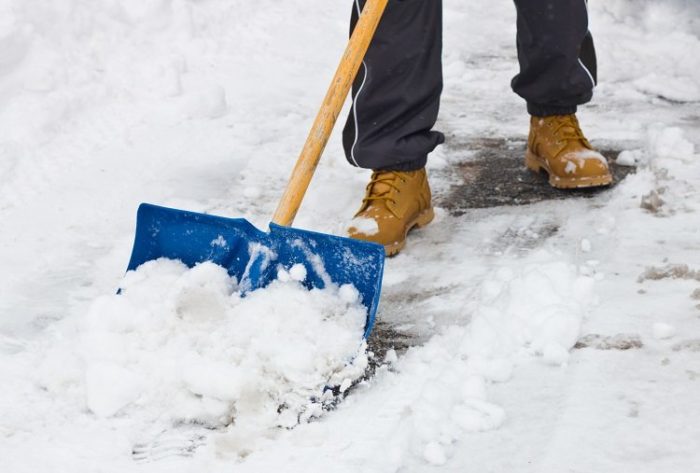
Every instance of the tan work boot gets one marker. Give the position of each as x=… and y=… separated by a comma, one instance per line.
x=557, y=145
x=395, y=203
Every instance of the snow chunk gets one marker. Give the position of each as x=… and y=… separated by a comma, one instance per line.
x=349, y=293
x=364, y=226
x=630, y=158
x=345, y=385
x=390, y=357
x=663, y=331
x=586, y=154
x=298, y=272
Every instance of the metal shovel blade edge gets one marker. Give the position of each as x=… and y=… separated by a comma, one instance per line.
x=253, y=256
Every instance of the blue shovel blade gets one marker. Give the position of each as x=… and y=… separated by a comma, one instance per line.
x=253, y=256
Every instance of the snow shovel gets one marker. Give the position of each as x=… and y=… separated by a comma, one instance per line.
x=254, y=256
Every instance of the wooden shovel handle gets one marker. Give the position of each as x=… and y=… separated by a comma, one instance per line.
x=328, y=114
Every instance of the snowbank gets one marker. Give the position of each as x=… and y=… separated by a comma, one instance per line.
x=182, y=346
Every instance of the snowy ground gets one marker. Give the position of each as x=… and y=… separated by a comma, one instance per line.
x=557, y=336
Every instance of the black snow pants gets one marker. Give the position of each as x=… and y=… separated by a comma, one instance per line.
x=396, y=95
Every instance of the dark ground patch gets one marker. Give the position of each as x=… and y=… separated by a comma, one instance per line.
x=494, y=175
x=405, y=299
x=621, y=341
x=383, y=339
x=692, y=345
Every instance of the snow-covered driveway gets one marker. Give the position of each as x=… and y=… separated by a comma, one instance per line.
x=561, y=335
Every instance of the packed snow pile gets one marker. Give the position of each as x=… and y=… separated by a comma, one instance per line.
x=527, y=312
x=536, y=311
x=182, y=345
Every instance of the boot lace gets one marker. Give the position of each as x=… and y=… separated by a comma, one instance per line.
x=567, y=128
x=386, y=192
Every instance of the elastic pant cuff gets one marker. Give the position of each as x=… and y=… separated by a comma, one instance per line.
x=405, y=167
x=549, y=110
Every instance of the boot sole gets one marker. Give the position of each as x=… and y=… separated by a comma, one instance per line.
x=534, y=163
x=423, y=219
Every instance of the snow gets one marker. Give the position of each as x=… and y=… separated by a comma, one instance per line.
x=391, y=357
x=662, y=331
x=364, y=226
x=670, y=142
x=298, y=272
x=629, y=157
x=182, y=346
x=582, y=156
x=586, y=245
x=435, y=454
x=515, y=350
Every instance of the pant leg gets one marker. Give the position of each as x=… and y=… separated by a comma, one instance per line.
x=556, y=55
x=396, y=95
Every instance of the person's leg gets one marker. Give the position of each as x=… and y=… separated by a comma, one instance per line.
x=396, y=95
x=558, y=73
x=556, y=56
